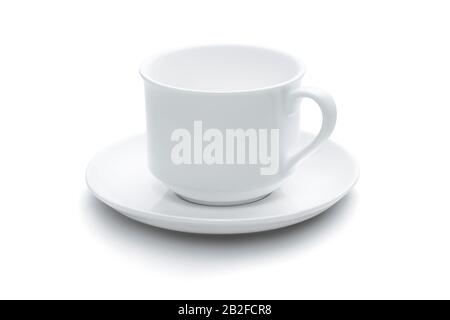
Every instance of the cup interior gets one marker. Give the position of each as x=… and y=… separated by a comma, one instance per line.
x=225, y=68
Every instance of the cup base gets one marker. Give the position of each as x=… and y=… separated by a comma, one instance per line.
x=222, y=204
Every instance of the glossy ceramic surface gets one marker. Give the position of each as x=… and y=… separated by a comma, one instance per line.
x=119, y=177
x=222, y=88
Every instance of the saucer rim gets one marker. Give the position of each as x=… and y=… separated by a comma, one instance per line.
x=212, y=221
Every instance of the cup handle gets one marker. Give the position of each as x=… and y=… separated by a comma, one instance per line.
x=328, y=108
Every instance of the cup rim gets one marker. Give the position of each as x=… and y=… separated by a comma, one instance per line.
x=147, y=62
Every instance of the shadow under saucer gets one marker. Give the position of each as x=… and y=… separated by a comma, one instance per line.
x=211, y=252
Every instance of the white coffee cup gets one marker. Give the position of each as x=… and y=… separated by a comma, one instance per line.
x=223, y=121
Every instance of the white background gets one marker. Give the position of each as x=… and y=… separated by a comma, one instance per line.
x=69, y=86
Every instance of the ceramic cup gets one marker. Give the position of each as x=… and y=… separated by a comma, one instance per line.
x=223, y=121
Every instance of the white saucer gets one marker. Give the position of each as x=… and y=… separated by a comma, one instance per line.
x=119, y=177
